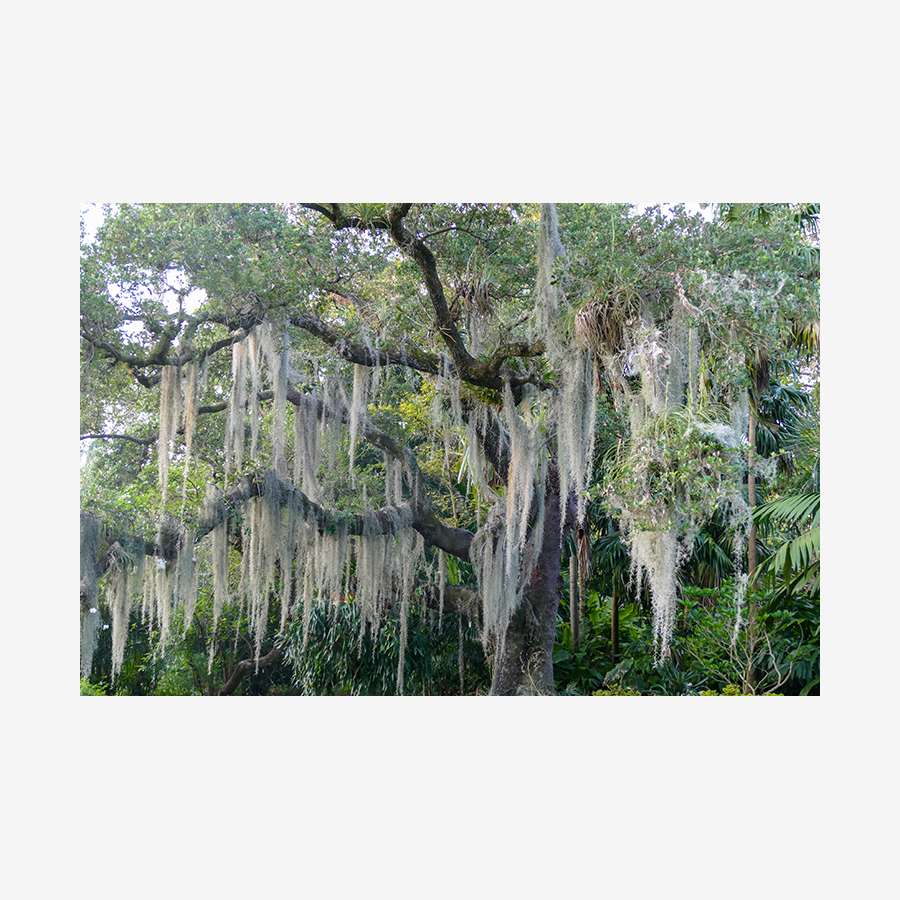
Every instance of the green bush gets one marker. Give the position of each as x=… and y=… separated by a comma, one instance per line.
x=782, y=655
x=91, y=690
x=616, y=690
x=337, y=661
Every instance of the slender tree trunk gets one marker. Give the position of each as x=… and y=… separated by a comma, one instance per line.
x=751, y=538
x=751, y=491
x=614, y=617
x=583, y=569
x=573, y=599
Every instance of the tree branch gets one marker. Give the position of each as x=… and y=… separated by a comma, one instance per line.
x=120, y=437
x=245, y=666
x=409, y=356
x=470, y=370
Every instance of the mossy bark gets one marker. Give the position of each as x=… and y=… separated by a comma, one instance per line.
x=524, y=662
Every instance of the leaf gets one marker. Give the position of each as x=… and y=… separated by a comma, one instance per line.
x=809, y=687
x=618, y=671
x=792, y=511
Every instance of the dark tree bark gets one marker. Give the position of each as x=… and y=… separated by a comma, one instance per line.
x=525, y=663
x=245, y=666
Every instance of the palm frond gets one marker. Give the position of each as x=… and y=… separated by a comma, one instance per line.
x=792, y=511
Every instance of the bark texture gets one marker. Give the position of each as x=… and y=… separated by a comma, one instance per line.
x=525, y=664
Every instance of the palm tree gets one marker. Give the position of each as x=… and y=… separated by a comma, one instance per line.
x=794, y=566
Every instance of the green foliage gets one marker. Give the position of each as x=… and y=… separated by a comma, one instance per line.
x=794, y=566
x=780, y=649
x=781, y=655
x=337, y=660
x=176, y=678
x=674, y=470
x=91, y=689
x=616, y=690
x=730, y=690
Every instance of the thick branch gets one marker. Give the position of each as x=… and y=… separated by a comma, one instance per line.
x=245, y=666
x=409, y=356
x=422, y=256
x=119, y=437
x=483, y=374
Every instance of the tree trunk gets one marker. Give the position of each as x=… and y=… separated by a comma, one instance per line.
x=751, y=490
x=573, y=599
x=751, y=538
x=614, y=622
x=525, y=664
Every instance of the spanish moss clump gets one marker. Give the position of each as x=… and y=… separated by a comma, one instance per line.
x=169, y=417
x=90, y=616
x=164, y=591
x=212, y=511
x=234, y=428
x=357, y=409
x=520, y=483
x=170, y=414
x=474, y=462
x=186, y=577
x=447, y=390
x=254, y=356
x=548, y=295
x=499, y=598
x=681, y=457
x=309, y=436
x=191, y=405
x=654, y=556
x=577, y=421
x=255, y=339
x=573, y=359
x=393, y=481
x=281, y=364
x=126, y=572
x=740, y=521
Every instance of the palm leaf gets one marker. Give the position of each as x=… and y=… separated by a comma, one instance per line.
x=792, y=511
x=797, y=559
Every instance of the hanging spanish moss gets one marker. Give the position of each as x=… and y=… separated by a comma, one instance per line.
x=256, y=340
x=90, y=616
x=357, y=409
x=740, y=521
x=309, y=437
x=169, y=417
x=234, y=428
x=474, y=461
x=280, y=371
x=577, y=423
x=500, y=598
x=191, y=405
x=125, y=576
x=186, y=576
x=520, y=483
x=404, y=632
x=548, y=294
x=573, y=359
x=164, y=590
x=682, y=456
x=219, y=551
x=393, y=481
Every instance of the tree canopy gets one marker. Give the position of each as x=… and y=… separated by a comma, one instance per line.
x=385, y=428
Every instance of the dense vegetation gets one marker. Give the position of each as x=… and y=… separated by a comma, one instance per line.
x=443, y=449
